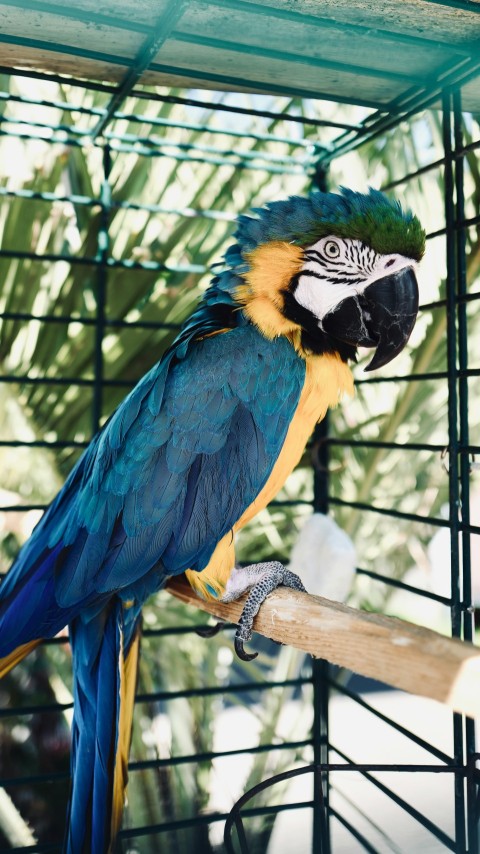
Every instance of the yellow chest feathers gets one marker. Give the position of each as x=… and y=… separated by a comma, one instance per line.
x=327, y=379
x=271, y=269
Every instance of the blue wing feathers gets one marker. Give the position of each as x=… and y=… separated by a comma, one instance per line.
x=172, y=471
x=32, y=609
x=168, y=476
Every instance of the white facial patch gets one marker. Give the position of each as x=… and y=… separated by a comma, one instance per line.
x=319, y=296
x=336, y=268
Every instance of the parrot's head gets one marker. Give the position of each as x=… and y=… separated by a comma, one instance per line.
x=332, y=271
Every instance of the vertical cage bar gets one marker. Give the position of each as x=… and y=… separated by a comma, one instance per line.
x=320, y=671
x=101, y=291
x=321, y=668
x=463, y=366
x=453, y=485
x=468, y=624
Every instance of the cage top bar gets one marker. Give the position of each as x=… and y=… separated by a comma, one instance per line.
x=379, y=55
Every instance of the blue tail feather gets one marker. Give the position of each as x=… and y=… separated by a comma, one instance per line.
x=96, y=647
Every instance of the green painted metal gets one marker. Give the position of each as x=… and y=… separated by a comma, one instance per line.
x=293, y=58
x=70, y=50
x=233, y=82
x=160, y=32
x=447, y=841
x=153, y=147
x=405, y=108
x=73, y=13
x=465, y=459
x=462, y=5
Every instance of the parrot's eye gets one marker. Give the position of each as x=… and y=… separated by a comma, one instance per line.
x=331, y=249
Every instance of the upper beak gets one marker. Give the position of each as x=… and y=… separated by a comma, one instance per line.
x=383, y=316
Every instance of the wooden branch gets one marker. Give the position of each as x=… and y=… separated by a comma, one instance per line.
x=393, y=651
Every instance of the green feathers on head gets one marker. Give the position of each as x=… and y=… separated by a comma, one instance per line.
x=372, y=218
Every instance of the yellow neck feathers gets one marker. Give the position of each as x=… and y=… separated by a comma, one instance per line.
x=272, y=266
x=327, y=379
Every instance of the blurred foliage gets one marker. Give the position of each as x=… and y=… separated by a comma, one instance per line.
x=193, y=198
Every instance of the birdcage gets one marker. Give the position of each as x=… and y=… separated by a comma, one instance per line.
x=132, y=135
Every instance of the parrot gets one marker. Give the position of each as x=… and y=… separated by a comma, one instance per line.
x=201, y=444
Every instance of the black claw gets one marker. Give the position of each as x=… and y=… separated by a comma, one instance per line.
x=274, y=575
x=245, y=656
x=210, y=631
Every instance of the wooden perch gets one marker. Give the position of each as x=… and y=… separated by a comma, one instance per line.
x=395, y=652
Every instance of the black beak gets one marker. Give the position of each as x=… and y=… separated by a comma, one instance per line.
x=382, y=317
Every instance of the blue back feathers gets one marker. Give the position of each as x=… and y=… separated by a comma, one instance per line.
x=173, y=470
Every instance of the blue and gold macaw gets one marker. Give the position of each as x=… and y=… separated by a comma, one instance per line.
x=202, y=443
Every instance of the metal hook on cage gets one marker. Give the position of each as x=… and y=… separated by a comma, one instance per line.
x=443, y=455
x=473, y=465
x=315, y=456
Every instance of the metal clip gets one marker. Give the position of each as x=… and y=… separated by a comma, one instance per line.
x=317, y=465
x=473, y=465
x=442, y=458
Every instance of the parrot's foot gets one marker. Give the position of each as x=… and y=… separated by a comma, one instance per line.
x=261, y=579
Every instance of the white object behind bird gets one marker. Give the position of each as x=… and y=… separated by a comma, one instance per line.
x=324, y=557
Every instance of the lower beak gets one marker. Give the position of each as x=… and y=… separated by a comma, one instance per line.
x=382, y=317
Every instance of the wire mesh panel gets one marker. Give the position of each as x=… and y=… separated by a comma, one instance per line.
x=442, y=367
x=112, y=211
